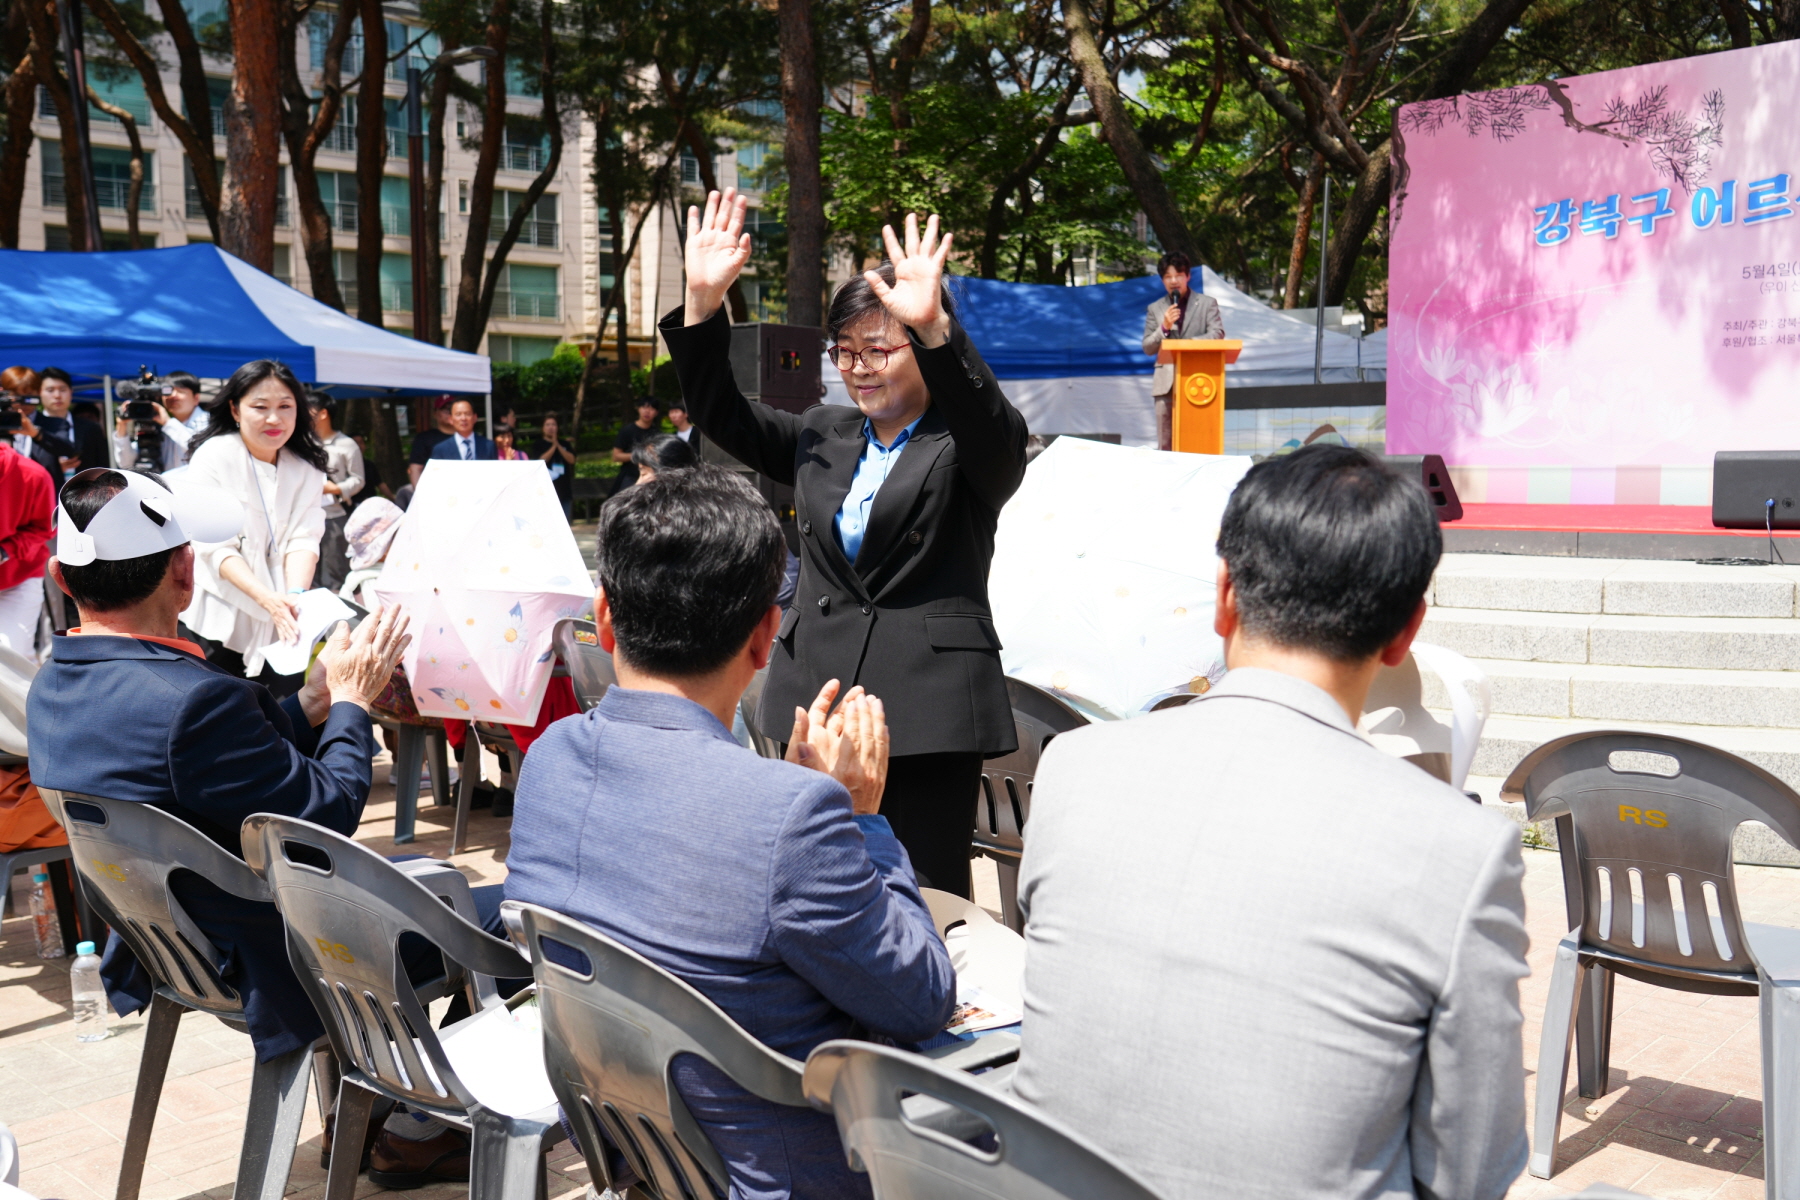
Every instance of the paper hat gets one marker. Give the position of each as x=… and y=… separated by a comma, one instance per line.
x=145, y=518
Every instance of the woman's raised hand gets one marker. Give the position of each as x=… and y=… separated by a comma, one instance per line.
x=918, y=276
x=717, y=249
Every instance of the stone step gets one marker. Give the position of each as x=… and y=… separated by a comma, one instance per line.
x=1507, y=740
x=1707, y=643
x=1624, y=587
x=1684, y=696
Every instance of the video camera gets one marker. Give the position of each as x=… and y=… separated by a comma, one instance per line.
x=11, y=420
x=139, y=398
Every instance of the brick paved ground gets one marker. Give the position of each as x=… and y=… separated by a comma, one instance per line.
x=1684, y=1118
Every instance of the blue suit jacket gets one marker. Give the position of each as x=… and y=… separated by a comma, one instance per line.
x=139, y=721
x=449, y=448
x=749, y=879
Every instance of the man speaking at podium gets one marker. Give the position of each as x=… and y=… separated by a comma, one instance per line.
x=1179, y=314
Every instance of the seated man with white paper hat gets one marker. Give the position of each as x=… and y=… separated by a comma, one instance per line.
x=126, y=709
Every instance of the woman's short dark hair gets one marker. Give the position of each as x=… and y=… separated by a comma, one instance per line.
x=664, y=452
x=856, y=300
x=184, y=379
x=1330, y=550
x=690, y=562
x=304, y=442
x=108, y=585
x=1174, y=259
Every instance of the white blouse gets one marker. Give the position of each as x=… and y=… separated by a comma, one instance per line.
x=281, y=515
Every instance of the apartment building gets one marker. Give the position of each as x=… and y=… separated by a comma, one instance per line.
x=548, y=291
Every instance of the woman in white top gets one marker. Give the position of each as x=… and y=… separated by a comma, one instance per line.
x=261, y=448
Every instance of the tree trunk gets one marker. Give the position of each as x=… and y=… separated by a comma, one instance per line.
x=21, y=98
x=136, y=192
x=553, y=125
x=371, y=162
x=709, y=182
x=467, y=329
x=1737, y=23
x=800, y=155
x=615, y=221
x=1309, y=196
x=989, y=257
x=1145, y=179
x=43, y=42
x=905, y=55
x=196, y=100
x=304, y=131
x=252, y=135
x=384, y=433
x=426, y=240
x=1787, y=20
x=196, y=141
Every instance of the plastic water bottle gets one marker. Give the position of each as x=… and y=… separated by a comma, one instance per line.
x=90, y=995
x=43, y=918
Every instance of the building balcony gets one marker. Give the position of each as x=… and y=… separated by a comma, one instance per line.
x=112, y=194
x=514, y=157
x=526, y=306
x=535, y=232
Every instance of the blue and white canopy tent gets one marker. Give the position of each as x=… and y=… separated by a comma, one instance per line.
x=196, y=308
x=1072, y=359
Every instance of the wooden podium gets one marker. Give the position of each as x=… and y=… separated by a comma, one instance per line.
x=1197, y=406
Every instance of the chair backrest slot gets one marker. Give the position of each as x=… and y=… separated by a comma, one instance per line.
x=397, y=1072
x=673, y=1165
x=1678, y=905
x=626, y=1141
x=1709, y=892
x=993, y=814
x=303, y=855
x=1636, y=878
x=195, y=986
x=1604, y=885
x=588, y=1121
x=354, y=1020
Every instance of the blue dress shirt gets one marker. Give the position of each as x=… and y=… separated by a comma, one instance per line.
x=871, y=472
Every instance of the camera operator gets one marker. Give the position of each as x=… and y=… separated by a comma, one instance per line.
x=18, y=402
x=176, y=415
x=343, y=480
x=212, y=748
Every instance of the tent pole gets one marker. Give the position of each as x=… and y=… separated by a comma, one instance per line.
x=112, y=451
x=490, y=415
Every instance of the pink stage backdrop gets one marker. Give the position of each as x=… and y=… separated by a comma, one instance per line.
x=1594, y=281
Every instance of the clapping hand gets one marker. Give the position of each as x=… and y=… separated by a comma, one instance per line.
x=914, y=298
x=850, y=745
x=358, y=665
x=717, y=249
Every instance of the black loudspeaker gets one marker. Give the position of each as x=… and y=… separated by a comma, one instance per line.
x=780, y=365
x=1434, y=476
x=1744, y=481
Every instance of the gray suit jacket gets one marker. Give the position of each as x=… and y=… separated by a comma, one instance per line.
x=1200, y=320
x=1265, y=959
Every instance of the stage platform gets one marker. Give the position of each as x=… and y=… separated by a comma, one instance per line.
x=1675, y=531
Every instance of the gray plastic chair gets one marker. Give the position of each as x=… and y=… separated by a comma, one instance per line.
x=590, y=668
x=346, y=908
x=613, y=1023
x=411, y=746
x=12, y=861
x=1644, y=824
x=1032, y=1157
x=1004, y=804
x=748, y=703
x=125, y=853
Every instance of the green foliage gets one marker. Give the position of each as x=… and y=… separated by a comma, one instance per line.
x=658, y=379
x=544, y=386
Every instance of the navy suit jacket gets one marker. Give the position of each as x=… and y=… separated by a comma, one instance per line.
x=451, y=448
x=140, y=721
x=749, y=879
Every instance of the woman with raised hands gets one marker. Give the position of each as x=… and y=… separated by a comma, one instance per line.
x=896, y=502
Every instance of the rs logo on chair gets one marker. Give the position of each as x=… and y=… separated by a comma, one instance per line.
x=1647, y=816
x=338, y=950
x=112, y=871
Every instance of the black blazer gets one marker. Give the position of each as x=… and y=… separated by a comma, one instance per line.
x=909, y=620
